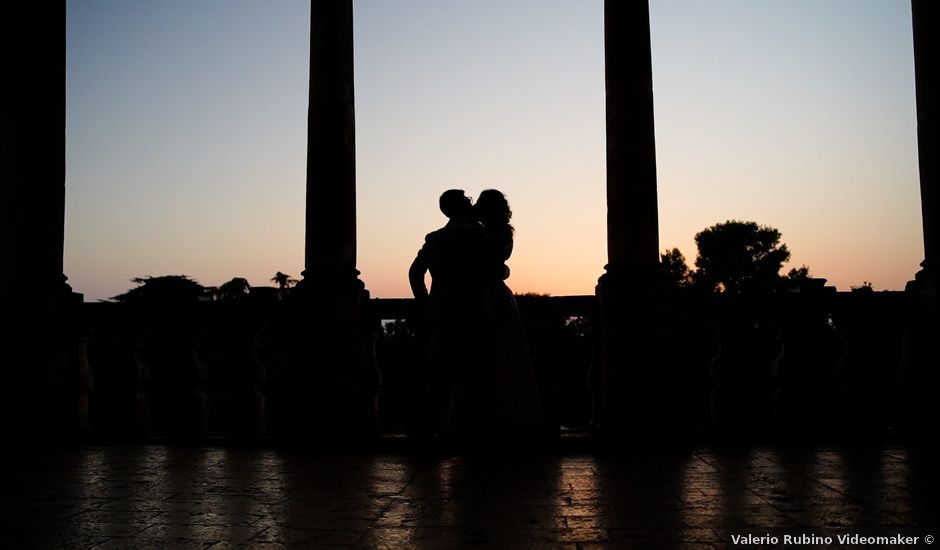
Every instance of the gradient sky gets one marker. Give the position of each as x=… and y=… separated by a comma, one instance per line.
x=186, y=134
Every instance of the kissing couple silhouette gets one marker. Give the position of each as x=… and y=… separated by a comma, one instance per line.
x=482, y=385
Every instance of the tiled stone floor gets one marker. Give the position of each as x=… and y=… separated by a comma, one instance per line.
x=221, y=497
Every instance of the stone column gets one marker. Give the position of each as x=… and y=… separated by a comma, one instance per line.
x=331, y=380
x=926, y=26
x=33, y=151
x=330, y=251
x=628, y=290
x=920, y=369
x=34, y=298
x=632, y=214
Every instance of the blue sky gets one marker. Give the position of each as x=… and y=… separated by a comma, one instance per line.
x=187, y=125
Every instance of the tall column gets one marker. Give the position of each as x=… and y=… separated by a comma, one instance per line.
x=33, y=293
x=330, y=251
x=33, y=147
x=632, y=215
x=628, y=293
x=332, y=383
x=920, y=371
x=926, y=26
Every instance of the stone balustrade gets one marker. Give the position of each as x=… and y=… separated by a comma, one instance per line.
x=808, y=364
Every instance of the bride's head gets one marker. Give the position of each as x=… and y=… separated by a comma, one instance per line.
x=492, y=208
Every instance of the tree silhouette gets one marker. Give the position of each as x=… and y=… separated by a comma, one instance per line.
x=799, y=279
x=236, y=289
x=165, y=289
x=799, y=274
x=674, y=268
x=865, y=287
x=737, y=256
x=283, y=280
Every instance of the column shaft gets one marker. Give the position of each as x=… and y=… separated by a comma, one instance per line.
x=33, y=147
x=926, y=26
x=632, y=217
x=330, y=249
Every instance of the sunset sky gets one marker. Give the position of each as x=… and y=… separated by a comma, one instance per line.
x=186, y=134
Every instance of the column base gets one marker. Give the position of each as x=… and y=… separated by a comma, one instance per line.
x=639, y=396
x=919, y=369
x=330, y=386
x=41, y=338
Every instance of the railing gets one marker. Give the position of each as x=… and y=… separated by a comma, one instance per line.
x=817, y=362
x=561, y=339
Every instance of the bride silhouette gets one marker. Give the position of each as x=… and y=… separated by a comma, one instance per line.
x=512, y=390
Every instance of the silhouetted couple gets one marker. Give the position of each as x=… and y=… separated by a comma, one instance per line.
x=482, y=381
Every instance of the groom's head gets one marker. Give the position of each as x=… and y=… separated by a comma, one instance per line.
x=455, y=204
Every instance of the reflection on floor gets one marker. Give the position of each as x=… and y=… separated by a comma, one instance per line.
x=204, y=496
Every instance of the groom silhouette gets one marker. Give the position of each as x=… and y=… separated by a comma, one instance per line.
x=457, y=305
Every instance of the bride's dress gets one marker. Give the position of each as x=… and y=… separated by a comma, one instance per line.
x=498, y=399
x=515, y=408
